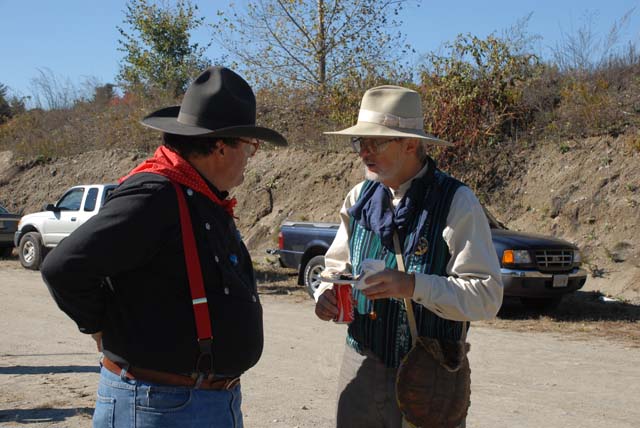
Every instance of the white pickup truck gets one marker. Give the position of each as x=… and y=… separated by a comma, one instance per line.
x=39, y=232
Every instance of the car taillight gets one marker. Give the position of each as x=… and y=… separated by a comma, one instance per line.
x=280, y=241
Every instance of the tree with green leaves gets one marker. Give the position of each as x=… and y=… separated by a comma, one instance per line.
x=5, y=108
x=474, y=92
x=10, y=106
x=158, y=52
x=312, y=42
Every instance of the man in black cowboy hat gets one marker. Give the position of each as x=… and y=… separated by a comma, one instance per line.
x=431, y=234
x=160, y=276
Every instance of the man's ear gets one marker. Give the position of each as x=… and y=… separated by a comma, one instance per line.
x=412, y=145
x=220, y=147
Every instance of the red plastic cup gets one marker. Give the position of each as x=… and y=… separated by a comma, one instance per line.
x=345, y=303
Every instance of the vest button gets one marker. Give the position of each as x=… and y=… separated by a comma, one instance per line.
x=189, y=192
x=207, y=226
x=254, y=299
x=373, y=315
x=226, y=290
x=216, y=259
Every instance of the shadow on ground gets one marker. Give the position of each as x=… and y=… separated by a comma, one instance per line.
x=32, y=370
x=12, y=256
x=42, y=415
x=280, y=289
x=578, y=306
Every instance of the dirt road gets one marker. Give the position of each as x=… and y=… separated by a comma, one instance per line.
x=48, y=371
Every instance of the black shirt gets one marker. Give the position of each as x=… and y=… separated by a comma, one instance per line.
x=123, y=273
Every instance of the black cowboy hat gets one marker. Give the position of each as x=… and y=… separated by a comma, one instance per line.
x=219, y=103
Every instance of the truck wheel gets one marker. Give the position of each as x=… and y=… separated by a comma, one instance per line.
x=312, y=272
x=31, y=251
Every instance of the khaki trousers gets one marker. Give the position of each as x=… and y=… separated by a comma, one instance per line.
x=367, y=393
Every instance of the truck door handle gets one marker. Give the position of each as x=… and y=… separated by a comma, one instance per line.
x=73, y=219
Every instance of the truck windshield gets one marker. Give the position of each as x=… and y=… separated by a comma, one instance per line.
x=71, y=201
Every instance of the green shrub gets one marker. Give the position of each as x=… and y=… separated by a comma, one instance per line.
x=474, y=94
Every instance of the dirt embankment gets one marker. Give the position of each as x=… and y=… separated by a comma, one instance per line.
x=586, y=191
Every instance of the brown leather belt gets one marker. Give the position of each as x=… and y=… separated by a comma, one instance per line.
x=166, y=378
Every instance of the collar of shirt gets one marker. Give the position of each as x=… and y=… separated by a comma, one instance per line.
x=219, y=193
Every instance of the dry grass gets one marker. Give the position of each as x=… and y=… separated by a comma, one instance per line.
x=582, y=315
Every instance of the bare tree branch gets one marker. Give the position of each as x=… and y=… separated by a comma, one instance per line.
x=310, y=40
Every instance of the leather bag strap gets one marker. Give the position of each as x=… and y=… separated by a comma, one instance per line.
x=413, y=327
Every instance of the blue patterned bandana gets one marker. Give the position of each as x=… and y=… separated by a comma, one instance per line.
x=375, y=212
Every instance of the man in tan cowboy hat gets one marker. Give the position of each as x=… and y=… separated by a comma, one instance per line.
x=160, y=276
x=443, y=239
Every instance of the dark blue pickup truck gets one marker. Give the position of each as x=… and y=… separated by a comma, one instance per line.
x=538, y=269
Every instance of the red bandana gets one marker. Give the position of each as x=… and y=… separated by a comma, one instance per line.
x=169, y=164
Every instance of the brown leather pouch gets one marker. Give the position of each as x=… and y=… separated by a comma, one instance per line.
x=433, y=384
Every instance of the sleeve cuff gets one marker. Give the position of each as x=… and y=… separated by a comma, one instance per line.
x=89, y=330
x=422, y=289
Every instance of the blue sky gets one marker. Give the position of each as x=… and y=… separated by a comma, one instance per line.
x=77, y=39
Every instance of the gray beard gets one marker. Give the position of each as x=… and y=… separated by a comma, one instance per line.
x=371, y=175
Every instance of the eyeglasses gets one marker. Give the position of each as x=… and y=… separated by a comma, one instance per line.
x=372, y=145
x=253, y=145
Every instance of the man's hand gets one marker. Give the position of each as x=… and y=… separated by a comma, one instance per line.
x=98, y=338
x=327, y=306
x=390, y=283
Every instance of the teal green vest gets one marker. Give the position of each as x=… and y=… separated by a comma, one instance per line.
x=381, y=326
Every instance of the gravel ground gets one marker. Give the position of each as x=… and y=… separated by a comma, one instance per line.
x=525, y=379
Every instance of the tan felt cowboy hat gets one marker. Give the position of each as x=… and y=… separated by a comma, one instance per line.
x=390, y=111
x=219, y=103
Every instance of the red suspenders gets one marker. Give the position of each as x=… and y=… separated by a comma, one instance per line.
x=196, y=284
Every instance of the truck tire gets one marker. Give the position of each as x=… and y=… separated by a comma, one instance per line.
x=312, y=272
x=31, y=251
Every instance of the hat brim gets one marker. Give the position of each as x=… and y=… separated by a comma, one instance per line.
x=166, y=120
x=369, y=129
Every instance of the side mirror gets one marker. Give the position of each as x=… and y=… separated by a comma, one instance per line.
x=50, y=207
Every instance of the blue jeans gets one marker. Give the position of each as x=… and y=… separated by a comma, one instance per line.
x=125, y=403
